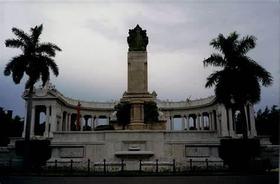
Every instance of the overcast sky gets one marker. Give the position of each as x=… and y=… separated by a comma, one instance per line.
x=92, y=35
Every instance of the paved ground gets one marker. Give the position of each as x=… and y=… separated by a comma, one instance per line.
x=254, y=179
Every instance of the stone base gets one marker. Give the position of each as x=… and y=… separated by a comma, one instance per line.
x=136, y=126
x=144, y=96
x=149, y=126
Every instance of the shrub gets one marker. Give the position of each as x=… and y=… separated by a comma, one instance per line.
x=238, y=153
x=39, y=151
x=150, y=112
x=123, y=113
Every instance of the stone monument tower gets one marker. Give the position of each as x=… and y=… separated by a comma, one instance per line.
x=137, y=84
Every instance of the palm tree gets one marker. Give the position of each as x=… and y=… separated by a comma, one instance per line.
x=238, y=83
x=35, y=61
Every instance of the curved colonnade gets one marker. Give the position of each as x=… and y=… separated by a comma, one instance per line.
x=53, y=112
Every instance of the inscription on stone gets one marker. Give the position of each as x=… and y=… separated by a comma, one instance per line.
x=72, y=152
x=197, y=151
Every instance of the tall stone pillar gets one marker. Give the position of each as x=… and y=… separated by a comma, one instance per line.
x=137, y=84
x=137, y=72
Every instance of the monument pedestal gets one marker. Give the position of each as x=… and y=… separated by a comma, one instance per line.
x=137, y=84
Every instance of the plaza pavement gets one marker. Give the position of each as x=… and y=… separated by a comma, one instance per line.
x=248, y=179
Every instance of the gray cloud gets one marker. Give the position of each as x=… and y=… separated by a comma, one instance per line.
x=93, y=39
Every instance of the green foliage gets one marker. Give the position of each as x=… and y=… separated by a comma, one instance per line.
x=240, y=77
x=35, y=60
x=9, y=127
x=239, y=80
x=238, y=153
x=123, y=113
x=39, y=151
x=150, y=112
x=267, y=123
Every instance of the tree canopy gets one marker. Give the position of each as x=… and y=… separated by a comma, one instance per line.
x=36, y=58
x=240, y=78
x=239, y=81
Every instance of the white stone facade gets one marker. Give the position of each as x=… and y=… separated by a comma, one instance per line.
x=193, y=130
x=197, y=115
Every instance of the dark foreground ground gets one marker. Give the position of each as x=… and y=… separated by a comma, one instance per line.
x=254, y=179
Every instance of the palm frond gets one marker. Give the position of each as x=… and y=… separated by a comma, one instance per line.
x=36, y=32
x=215, y=60
x=14, y=43
x=233, y=37
x=246, y=43
x=48, y=48
x=17, y=60
x=21, y=35
x=18, y=74
x=45, y=75
x=213, y=78
x=264, y=76
x=50, y=63
x=218, y=42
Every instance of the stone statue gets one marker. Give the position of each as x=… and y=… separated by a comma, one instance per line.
x=137, y=39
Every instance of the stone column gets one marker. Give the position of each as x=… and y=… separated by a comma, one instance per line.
x=92, y=122
x=198, y=121
x=171, y=123
x=202, y=122
x=183, y=122
x=32, y=127
x=195, y=122
x=168, y=127
x=46, y=133
x=187, y=123
x=231, y=132
x=252, y=121
x=137, y=72
x=247, y=120
x=53, y=120
x=210, y=120
x=66, y=121
x=136, y=115
x=82, y=120
x=224, y=129
x=96, y=121
x=24, y=126
x=69, y=121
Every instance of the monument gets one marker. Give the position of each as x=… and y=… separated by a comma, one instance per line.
x=192, y=128
x=137, y=79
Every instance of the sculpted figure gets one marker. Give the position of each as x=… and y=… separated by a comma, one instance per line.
x=137, y=39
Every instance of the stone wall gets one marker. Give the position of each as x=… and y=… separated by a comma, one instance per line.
x=132, y=145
